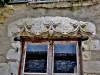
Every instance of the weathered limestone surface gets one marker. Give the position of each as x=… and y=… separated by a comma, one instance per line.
x=13, y=67
x=65, y=25
x=13, y=55
x=91, y=66
x=86, y=55
x=91, y=55
x=91, y=73
x=91, y=50
x=4, y=43
x=95, y=55
x=4, y=69
x=91, y=14
x=95, y=45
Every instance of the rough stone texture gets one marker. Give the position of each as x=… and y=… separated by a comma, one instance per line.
x=86, y=45
x=91, y=14
x=91, y=55
x=91, y=66
x=61, y=4
x=37, y=26
x=13, y=55
x=4, y=69
x=4, y=43
x=91, y=73
x=91, y=44
x=86, y=14
x=86, y=55
x=91, y=50
x=95, y=45
x=95, y=55
x=13, y=67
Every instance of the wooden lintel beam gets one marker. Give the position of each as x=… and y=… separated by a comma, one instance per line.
x=82, y=38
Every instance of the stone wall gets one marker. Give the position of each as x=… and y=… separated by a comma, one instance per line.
x=91, y=58
x=90, y=13
x=87, y=13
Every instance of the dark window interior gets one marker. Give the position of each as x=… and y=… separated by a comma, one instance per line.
x=64, y=58
x=36, y=58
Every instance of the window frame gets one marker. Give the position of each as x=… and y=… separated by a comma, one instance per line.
x=25, y=46
x=79, y=59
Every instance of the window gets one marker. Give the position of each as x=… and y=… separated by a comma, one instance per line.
x=65, y=59
x=46, y=58
x=35, y=58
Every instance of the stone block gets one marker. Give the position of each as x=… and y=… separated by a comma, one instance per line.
x=86, y=55
x=16, y=45
x=14, y=67
x=2, y=59
x=4, y=43
x=95, y=55
x=91, y=66
x=91, y=45
x=13, y=55
x=91, y=73
x=95, y=45
x=86, y=45
x=4, y=69
x=3, y=52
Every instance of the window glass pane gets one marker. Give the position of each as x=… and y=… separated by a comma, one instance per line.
x=65, y=58
x=36, y=58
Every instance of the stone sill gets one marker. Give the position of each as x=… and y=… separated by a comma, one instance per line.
x=18, y=2
x=59, y=4
x=57, y=1
x=44, y=2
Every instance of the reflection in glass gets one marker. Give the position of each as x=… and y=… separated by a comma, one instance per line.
x=36, y=58
x=64, y=58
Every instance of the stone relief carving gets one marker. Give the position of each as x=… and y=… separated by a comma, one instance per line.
x=46, y=26
x=63, y=25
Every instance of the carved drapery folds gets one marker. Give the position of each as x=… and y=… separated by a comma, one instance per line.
x=46, y=27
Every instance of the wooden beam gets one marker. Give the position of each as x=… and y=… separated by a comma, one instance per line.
x=38, y=39
x=21, y=58
x=80, y=57
x=50, y=59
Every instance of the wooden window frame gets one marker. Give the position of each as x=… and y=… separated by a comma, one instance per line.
x=50, y=50
x=77, y=57
x=25, y=73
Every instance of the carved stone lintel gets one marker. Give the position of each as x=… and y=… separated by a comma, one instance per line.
x=50, y=25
